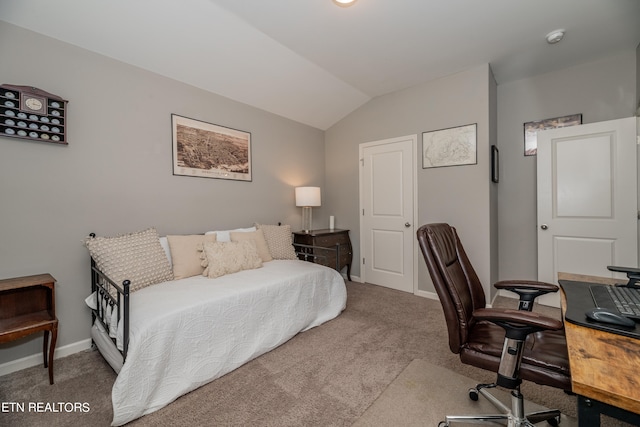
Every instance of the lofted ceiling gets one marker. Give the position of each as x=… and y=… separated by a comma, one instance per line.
x=314, y=62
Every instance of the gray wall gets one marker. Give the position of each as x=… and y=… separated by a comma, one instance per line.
x=637, y=104
x=601, y=90
x=458, y=195
x=115, y=176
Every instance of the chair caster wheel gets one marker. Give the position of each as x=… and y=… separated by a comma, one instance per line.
x=443, y=424
x=473, y=394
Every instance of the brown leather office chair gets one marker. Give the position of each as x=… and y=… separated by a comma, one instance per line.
x=517, y=344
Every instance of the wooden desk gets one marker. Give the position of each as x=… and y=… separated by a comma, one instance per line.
x=27, y=306
x=605, y=367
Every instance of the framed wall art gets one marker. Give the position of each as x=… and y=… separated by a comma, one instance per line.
x=210, y=151
x=531, y=130
x=449, y=147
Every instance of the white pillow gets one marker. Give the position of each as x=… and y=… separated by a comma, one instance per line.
x=164, y=242
x=225, y=236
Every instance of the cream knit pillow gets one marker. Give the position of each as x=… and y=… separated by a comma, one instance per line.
x=222, y=258
x=279, y=240
x=137, y=257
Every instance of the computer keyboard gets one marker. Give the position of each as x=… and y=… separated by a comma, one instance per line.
x=627, y=300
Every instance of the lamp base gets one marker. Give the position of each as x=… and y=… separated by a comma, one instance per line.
x=306, y=219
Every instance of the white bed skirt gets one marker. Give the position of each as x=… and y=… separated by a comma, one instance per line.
x=106, y=347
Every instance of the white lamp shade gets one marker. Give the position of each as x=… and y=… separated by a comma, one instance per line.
x=307, y=196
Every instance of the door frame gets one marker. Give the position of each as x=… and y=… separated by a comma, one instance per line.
x=414, y=201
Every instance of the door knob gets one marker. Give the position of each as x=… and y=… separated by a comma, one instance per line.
x=544, y=226
x=406, y=224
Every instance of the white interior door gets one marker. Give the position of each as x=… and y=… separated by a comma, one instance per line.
x=587, y=200
x=387, y=203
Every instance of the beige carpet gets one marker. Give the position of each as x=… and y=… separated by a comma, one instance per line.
x=328, y=376
x=413, y=399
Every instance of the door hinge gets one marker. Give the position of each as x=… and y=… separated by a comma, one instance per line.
x=362, y=162
x=362, y=212
x=362, y=261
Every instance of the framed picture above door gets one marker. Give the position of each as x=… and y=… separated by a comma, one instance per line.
x=531, y=130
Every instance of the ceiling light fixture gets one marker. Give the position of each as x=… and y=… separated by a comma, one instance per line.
x=344, y=3
x=555, y=36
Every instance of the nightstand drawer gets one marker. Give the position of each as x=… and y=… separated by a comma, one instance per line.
x=332, y=240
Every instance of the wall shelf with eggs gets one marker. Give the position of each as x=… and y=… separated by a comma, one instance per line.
x=30, y=113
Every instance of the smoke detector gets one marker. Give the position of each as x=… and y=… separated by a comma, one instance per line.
x=555, y=36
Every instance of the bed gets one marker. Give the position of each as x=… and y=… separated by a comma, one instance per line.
x=172, y=337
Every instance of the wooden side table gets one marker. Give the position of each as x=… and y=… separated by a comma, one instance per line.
x=27, y=306
x=330, y=239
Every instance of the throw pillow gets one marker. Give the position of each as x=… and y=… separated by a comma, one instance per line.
x=185, y=255
x=230, y=257
x=137, y=257
x=225, y=235
x=256, y=236
x=279, y=240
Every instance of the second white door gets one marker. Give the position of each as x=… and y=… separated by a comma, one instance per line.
x=387, y=203
x=587, y=200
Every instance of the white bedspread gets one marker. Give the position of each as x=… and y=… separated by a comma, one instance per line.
x=184, y=334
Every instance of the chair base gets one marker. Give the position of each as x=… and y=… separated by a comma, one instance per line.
x=510, y=417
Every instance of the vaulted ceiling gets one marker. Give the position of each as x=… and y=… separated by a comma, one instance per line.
x=314, y=62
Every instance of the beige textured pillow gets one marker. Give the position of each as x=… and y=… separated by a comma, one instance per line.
x=279, y=240
x=185, y=254
x=137, y=257
x=258, y=237
x=230, y=257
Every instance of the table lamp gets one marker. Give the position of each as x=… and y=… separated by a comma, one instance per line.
x=307, y=197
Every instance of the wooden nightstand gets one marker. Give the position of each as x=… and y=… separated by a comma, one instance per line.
x=27, y=306
x=337, y=243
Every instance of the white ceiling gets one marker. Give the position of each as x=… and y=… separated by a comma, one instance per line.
x=314, y=62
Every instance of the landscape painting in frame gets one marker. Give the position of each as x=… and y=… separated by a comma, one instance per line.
x=210, y=151
x=531, y=130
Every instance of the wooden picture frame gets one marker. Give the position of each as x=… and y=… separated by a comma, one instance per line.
x=207, y=150
x=531, y=130
x=450, y=147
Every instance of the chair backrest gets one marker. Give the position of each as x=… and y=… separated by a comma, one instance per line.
x=454, y=278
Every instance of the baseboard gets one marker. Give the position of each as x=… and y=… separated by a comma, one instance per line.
x=36, y=359
x=420, y=293
x=427, y=294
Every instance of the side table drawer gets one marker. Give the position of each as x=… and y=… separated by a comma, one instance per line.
x=330, y=239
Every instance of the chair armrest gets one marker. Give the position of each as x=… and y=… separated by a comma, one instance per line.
x=518, y=317
x=518, y=323
x=526, y=284
x=528, y=290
